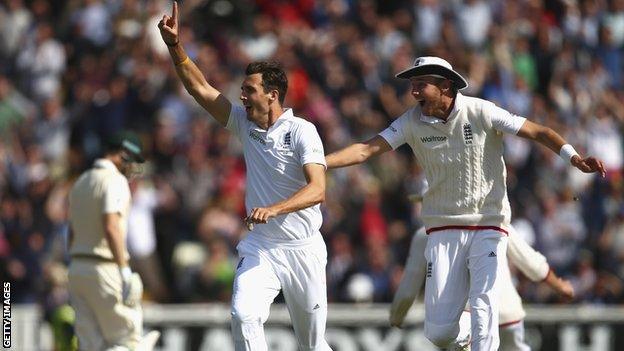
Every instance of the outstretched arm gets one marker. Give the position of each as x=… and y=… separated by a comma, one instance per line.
x=357, y=153
x=194, y=81
x=562, y=286
x=551, y=139
x=535, y=266
x=412, y=281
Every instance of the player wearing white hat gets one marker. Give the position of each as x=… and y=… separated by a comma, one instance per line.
x=285, y=185
x=511, y=313
x=457, y=140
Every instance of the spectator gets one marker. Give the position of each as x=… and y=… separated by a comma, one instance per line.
x=42, y=62
x=473, y=22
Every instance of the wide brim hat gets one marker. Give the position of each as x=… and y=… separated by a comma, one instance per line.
x=434, y=66
x=129, y=142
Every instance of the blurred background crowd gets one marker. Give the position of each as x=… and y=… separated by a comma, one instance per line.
x=74, y=72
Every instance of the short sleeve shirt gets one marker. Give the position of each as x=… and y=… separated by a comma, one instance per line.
x=501, y=120
x=100, y=190
x=275, y=160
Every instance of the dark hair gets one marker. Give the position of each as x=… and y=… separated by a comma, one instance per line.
x=454, y=88
x=273, y=77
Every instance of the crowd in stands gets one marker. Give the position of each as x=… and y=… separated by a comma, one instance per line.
x=74, y=72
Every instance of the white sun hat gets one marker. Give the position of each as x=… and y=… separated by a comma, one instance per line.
x=433, y=66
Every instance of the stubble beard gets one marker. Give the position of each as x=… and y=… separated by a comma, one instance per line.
x=432, y=108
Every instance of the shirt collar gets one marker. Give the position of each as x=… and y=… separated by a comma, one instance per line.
x=456, y=108
x=286, y=115
x=106, y=164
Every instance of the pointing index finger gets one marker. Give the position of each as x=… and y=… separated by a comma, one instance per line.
x=174, y=14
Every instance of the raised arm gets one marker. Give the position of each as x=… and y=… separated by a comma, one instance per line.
x=529, y=261
x=311, y=194
x=357, y=153
x=194, y=81
x=551, y=139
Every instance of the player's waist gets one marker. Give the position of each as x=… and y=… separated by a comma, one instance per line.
x=467, y=227
x=498, y=222
x=89, y=252
x=91, y=257
x=265, y=240
x=292, y=226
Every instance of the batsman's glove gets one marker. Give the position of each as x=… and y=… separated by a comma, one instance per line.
x=131, y=287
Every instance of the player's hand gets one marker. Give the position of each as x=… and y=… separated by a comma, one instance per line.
x=259, y=215
x=248, y=223
x=131, y=287
x=588, y=164
x=565, y=289
x=398, y=310
x=169, y=27
x=126, y=281
x=396, y=323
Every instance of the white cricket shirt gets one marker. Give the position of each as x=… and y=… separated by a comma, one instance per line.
x=463, y=162
x=100, y=190
x=274, y=160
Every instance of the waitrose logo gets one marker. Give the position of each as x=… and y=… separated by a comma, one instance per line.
x=432, y=138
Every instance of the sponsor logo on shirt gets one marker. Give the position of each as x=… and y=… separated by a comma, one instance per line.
x=432, y=138
x=393, y=129
x=467, y=134
x=429, y=269
x=253, y=135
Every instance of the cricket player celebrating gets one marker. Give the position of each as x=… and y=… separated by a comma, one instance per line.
x=285, y=185
x=458, y=142
x=511, y=313
x=104, y=292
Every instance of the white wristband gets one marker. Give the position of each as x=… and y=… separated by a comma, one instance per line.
x=566, y=152
x=126, y=272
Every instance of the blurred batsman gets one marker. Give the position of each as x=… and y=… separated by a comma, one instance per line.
x=285, y=184
x=458, y=142
x=511, y=313
x=104, y=292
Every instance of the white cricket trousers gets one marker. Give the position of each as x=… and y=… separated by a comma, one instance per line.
x=298, y=269
x=462, y=266
x=102, y=320
x=512, y=337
